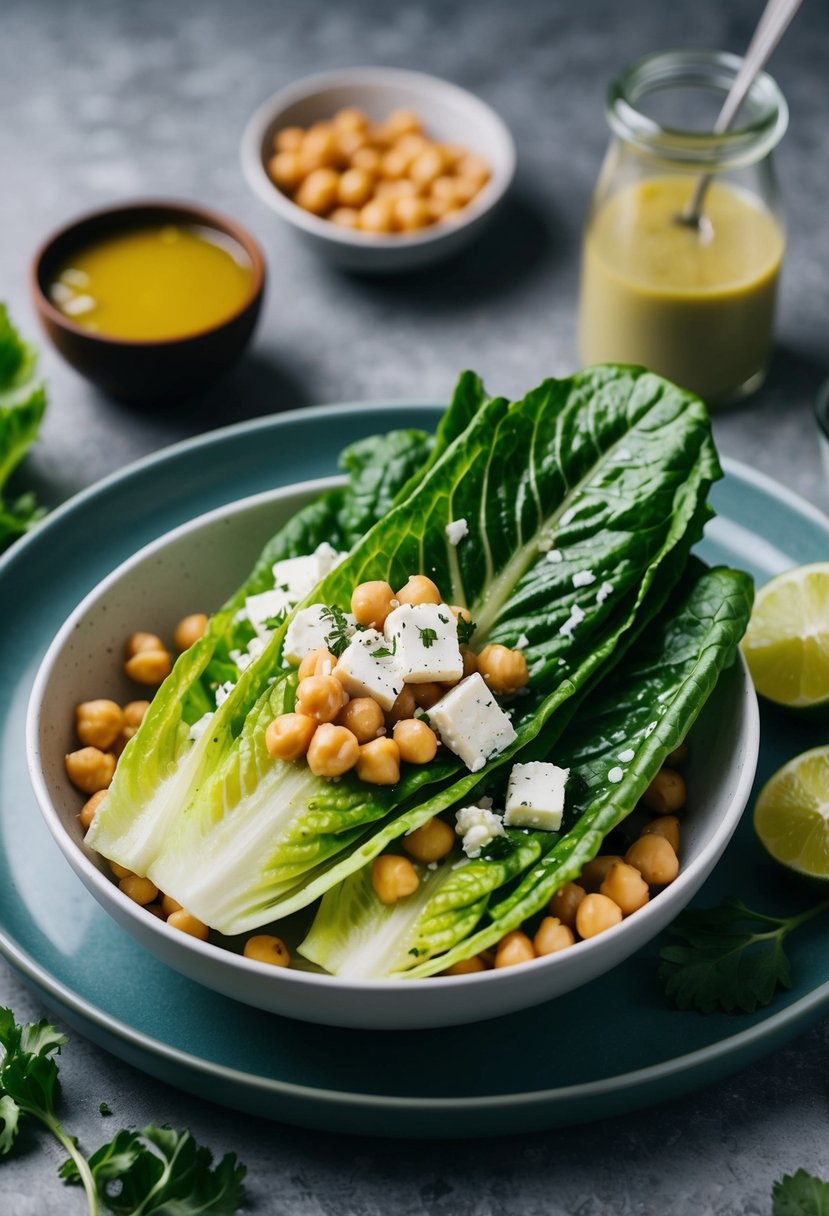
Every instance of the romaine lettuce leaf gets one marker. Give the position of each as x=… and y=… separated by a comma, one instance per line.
x=22, y=404
x=609, y=470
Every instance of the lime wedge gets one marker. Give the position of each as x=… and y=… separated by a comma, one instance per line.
x=786, y=644
x=791, y=816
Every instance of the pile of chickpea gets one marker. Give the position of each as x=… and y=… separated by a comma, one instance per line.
x=335, y=733
x=609, y=888
x=375, y=178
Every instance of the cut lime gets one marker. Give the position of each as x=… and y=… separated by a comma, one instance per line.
x=786, y=644
x=791, y=817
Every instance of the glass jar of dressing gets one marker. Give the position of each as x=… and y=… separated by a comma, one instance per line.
x=695, y=304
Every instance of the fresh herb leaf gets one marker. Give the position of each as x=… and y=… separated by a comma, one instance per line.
x=273, y=622
x=730, y=957
x=337, y=640
x=104, y=1109
x=385, y=652
x=466, y=628
x=427, y=636
x=159, y=1170
x=800, y=1194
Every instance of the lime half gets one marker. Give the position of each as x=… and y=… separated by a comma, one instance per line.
x=791, y=817
x=786, y=644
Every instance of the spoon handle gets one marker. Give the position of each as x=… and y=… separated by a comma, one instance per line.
x=771, y=27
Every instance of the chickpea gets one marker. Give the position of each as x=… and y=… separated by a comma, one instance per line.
x=289, y=139
x=432, y=842
x=474, y=166
x=465, y=190
x=98, y=723
x=403, y=122
x=287, y=169
x=411, y=145
x=565, y=903
x=552, y=936
x=470, y=661
x=169, y=905
x=319, y=147
x=626, y=887
x=427, y=166
x=367, y=158
x=504, y=670
x=187, y=923
x=417, y=741
x=319, y=662
x=289, y=736
x=134, y=713
x=263, y=948
x=318, y=192
x=597, y=913
x=379, y=762
x=515, y=948
x=377, y=216
x=438, y=208
x=350, y=119
x=393, y=877
x=149, y=667
x=346, y=217
x=121, y=871
x=90, y=807
x=138, y=889
x=460, y=613
x=677, y=757
x=371, y=603
x=155, y=910
x=655, y=860
x=419, y=590
x=452, y=153
x=137, y=642
x=667, y=826
x=320, y=697
x=595, y=872
x=401, y=187
x=333, y=751
x=189, y=630
x=428, y=694
x=364, y=718
x=445, y=188
x=354, y=188
x=666, y=793
x=349, y=142
x=403, y=708
x=411, y=214
x=90, y=769
x=467, y=966
x=393, y=165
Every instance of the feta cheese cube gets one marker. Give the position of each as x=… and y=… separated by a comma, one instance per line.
x=471, y=723
x=309, y=630
x=328, y=557
x=260, y=608
x=367, y=668
x=456, y=531
x=535, y=796
x=298, y=576
x=477, y=825
x=424, y=638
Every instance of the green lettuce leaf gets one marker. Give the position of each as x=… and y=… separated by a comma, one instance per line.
x=609, y=469
x=22, y=405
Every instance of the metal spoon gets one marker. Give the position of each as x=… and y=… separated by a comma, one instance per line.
x=770, y=29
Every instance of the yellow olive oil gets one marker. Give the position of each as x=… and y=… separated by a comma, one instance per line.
x=154, y=283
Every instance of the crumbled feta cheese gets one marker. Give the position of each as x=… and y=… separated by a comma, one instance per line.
x=241, y=658
x=604, y=591
x=478, y=826
x=575, y=618
x=366, y=668
x=200, y=726
x=255, y=647
x=535, y=796
x=627, y=755
x=424, y=639
x=264, y=607
x=298, y=576
x=615, y=775
x=309, y=630
x=328, y=557
x=583, y=578
x=523, y=642
x=555, y=556
x=456, y=531
x=471, y=722
x=223, y=692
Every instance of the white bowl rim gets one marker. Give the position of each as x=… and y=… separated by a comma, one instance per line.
x=107, y=892
x=299, y=90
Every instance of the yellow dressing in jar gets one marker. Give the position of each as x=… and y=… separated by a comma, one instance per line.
x=154, y=283
x=697, y=306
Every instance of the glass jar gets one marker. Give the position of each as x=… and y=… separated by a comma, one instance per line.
x=694, y=303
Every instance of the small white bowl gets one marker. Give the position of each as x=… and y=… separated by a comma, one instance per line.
x=196, y=567
x=448, y=113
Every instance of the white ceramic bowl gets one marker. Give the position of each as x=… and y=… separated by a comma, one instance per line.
x=179, y=574
x=448, y=113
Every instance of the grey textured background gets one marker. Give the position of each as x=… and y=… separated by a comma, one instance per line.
x=104, y=100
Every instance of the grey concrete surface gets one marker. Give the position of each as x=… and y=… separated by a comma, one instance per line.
x=104, y=100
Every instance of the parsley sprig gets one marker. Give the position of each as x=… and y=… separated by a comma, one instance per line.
x=800, y=1194
x=465, y=630
x=337, y=640
x=157, y=1170
x=729, y=957
x=427, y=636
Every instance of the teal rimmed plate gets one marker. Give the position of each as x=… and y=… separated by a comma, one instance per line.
x=611, y=1046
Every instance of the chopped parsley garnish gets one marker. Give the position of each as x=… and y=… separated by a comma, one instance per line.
x=384, y=652
x=273, y=622
x=427, y=636
x=465, y=630
x=444, y=619
x=337, y=640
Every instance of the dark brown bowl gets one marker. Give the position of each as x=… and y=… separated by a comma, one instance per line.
x=153, y=370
